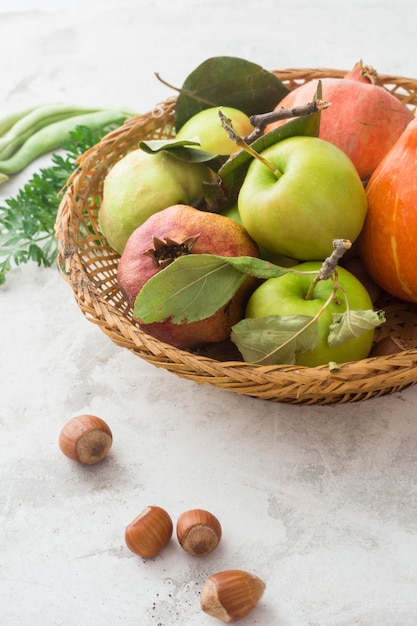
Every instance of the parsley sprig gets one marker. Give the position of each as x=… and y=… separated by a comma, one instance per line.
x=27, y=220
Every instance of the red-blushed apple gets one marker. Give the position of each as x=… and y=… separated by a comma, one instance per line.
x=287, y=296
x=313, y=196
x=206, y=128
x=140, y=184
x=177, y=230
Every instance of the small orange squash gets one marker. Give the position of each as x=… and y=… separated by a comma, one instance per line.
x=388, y=241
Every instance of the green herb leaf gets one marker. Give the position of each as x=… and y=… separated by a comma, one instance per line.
x=274, y=339
x=27, y=221
x=195, y=286
x=228, y=81
x=352, y=324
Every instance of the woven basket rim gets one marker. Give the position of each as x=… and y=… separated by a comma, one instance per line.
x=282, y=383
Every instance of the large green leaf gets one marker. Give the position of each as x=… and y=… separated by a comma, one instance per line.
x=228, y=81
x=195, y=286
x=275, y=339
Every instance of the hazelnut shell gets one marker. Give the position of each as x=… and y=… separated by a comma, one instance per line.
x=149, y=532
x=231, y=594
x=198, y=532
x=86, y=439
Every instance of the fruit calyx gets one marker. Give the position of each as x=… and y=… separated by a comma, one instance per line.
x=363, y=74
x=167, y=250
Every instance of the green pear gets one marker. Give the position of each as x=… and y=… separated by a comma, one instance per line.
x=141, y=184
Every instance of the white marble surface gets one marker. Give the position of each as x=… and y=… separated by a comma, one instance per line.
x=318, y=501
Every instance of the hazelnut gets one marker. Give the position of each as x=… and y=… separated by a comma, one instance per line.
x=231, y=594
x=86, y=439
x=149, y=532
x=389, y=345
x=198, y=532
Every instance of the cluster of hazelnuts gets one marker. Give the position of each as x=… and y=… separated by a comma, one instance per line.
x=228, y=595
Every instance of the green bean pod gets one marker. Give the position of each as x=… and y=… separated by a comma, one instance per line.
x=52, y=136
x=3, y=178
x=7, y=121
x=36, y=120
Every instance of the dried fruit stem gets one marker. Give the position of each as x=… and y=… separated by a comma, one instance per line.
x=239, y=141
x=261, y=121
x=184, y=91
x=329, y=265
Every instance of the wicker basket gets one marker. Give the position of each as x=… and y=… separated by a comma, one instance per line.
x=89, y=265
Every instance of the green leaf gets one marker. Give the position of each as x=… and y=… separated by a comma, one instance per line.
x=27, y=220
x=228, y=81
x=183, y=150
x=232, y=174
x=187, y=292
x=259, y=268
x=274, y=339
x=195, y=286
x=352, y=324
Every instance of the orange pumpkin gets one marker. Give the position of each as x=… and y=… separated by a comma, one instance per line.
x=388, y=241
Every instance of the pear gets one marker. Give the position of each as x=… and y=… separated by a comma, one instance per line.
x=140, y=184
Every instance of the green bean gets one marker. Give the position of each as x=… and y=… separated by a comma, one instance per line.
x=34, y=121
x=3, y=178
x=10, y=120
x=52, y=136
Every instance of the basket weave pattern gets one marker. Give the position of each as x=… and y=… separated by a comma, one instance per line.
x=89, y=265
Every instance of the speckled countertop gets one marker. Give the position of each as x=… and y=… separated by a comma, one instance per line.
x=320, y=502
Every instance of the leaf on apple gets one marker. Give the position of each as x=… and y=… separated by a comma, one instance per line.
x=352, y=324
x=183, y=150
x=228, y=81
x=232, y=173
x=274, y=339
x=195, y=286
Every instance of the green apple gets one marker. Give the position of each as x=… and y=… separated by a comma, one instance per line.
x=206, y=128
x=286, y=295
x=314, y=195
x=278, y=259
x=140, y=184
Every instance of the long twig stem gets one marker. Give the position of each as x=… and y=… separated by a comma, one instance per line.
x=261, y=121
x=242, y=143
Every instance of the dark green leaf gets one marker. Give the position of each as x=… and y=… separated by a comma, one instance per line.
x=274, y=339
x=183, y=150
x=228, y=81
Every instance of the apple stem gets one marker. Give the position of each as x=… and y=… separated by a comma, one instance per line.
x=233, y=135
x=329, y=265
x=261, y=121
